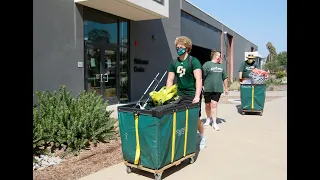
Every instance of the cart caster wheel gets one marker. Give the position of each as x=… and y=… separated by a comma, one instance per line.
x=191, y=160
x=261, y=113
x=129, y=170
x=157, y=176
x=243, y=113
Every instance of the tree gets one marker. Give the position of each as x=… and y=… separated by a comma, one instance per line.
x=282, y=58
x=272, y=66
x=99, y=35
x=272, y=52
x=279, y=63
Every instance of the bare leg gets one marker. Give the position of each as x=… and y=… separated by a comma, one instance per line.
x=214, y=111
x=203, y=142
x=208, y=112
x=200, y=127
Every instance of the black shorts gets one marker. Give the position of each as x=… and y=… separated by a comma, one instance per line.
x=188, y=100
x=208, y=96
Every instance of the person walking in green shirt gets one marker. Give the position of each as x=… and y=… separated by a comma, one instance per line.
x=246, y=67
x=188, y=71
x=215, y=77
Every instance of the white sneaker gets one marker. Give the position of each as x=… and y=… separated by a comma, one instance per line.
x=203, y=142
x=208, y=121
x=215, y=126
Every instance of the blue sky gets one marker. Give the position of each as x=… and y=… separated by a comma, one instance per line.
x=259, y=21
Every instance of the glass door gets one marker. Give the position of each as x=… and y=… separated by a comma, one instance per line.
x=101, y=71
x=109, y=75
x=93, y=69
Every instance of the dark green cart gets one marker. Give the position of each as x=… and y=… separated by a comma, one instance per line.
x=156, y=139
x=252, y=97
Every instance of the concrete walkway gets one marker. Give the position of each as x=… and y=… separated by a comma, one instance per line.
x=249, y=147
x=231, y=93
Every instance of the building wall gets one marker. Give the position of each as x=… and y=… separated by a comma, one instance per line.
x=159, y=51
x=153, y=6
x=240, y=46
x=196, y=33
x=57, y=45
x=187, y=7
x=200, y=32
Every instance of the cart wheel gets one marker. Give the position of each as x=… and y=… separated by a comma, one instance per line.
x=157, y=176
x=261, y=113
x=129, y=170
x=191, y=160
x=243, y=113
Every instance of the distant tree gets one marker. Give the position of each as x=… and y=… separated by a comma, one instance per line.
x=279, y=63
x=282, y=58
x=273, y=66
x=272, y=52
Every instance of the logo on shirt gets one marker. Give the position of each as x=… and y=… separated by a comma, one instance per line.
x=250, y=68
x=181, y=71
x=216, y=69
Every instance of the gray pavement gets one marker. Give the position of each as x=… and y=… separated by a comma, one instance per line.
x=249, y=147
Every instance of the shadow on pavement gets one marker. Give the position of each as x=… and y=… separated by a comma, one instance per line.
x=173, y=169
x=239, y=109
x=219, y=120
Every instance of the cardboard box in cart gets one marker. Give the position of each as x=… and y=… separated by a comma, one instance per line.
x=156, y=139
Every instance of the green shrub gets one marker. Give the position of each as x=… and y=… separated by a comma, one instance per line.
x=59, y=119
x=272, y=82
x=280, y=74
x=235, y=85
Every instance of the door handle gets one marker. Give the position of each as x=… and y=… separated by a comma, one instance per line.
x=102, y=78
x=107, y=77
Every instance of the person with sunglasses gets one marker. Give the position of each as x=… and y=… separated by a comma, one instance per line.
x=215, y=78
x=246, y=68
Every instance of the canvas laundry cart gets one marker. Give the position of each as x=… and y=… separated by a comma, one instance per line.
x=158, y=138
x=253, y=92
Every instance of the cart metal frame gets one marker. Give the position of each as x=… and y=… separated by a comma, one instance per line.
x=252, y=111
x=158, y=172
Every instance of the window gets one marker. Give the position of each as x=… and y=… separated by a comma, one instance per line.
x=159, y=1
x=99, y=27
x=198, y=21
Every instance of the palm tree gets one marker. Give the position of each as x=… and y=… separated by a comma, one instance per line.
x=272, y=52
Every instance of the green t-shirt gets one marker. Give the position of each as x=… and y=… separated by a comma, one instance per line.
x=185, y=77
x=246, y=68
x=214, y=75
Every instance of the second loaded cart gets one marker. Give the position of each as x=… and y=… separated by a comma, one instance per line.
x=252, y=97
x=158, y=138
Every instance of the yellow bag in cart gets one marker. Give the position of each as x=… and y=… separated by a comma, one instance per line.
x=164, y=95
